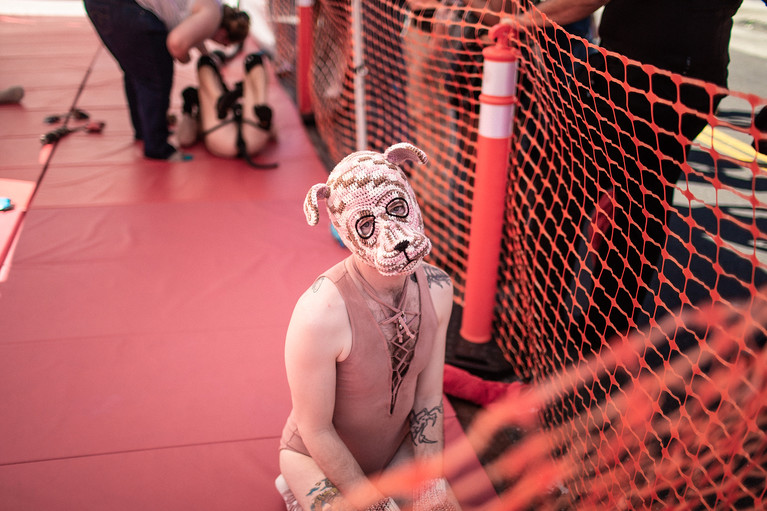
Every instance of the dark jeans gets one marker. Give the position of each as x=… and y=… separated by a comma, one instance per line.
x=136, y=38
x=635, y=150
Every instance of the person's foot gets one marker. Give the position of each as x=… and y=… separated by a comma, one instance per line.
x=187, y=131
x=191, y=100
x=227, y=100
x=290, y=500
x=179, y=156
x=264, y=115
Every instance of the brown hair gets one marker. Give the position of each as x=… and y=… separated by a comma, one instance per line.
x=236, y=23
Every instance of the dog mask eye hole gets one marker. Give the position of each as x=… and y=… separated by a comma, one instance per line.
x=398, y=207
x=365, y=226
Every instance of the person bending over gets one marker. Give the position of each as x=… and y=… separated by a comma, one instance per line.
x=231, y=122
x=145, y=36
x=365, y=347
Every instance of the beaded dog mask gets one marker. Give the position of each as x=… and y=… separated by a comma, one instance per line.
x=374, y=209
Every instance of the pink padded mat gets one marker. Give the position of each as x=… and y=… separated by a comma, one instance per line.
x=145, y=305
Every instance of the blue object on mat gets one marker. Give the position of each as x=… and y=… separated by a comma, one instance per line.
x=336, y=236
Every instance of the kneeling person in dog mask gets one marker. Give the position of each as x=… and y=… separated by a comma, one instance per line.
x=365, y=348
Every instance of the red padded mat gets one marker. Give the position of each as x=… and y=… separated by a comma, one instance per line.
x=143, y=316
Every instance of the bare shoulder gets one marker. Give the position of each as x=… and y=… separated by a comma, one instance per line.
x=437, y=278
x=321, y=306
x=320, y=320
x=440, y=287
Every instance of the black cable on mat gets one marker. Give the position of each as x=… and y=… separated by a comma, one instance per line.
x=67, y=117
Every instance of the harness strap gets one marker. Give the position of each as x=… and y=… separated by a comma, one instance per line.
x=229, y=100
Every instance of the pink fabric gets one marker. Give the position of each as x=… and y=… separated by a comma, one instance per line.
x=143, y=318
x=464, y=385
x=363, y=393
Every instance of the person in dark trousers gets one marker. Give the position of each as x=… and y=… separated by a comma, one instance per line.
x=145, y=36
x=760, y=123
x=635, y=128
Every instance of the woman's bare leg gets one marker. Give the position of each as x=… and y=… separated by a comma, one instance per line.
x=257, y=114
x=223, y=140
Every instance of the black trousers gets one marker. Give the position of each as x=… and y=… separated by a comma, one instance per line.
x=136, y=39
x=630, y=135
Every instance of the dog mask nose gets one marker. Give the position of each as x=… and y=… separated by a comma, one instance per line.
x=401, y=246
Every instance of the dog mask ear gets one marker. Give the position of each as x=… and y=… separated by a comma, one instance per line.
x=311, y=203
x=404, y=151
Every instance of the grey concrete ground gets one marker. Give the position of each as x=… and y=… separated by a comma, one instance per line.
x=727, y=267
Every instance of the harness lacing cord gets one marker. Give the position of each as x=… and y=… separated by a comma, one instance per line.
x=402, y=345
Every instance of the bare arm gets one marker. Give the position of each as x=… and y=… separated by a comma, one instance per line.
x=202, y=22
x=560, y=12
x=318, y=336
x=492, y=12
x=427, y=417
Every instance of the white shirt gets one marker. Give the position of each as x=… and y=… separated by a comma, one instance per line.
x=171, y=12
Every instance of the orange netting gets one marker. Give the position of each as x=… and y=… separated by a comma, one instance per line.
x=600, y=187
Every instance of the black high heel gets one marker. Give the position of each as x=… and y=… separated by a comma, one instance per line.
x=228, y=99
x=264, y=116
x=191, y=100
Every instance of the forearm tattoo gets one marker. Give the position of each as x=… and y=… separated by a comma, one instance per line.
x=323, y=495
x=419, y=421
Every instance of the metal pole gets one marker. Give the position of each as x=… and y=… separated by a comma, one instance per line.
x=358, y=45
x=304, y=58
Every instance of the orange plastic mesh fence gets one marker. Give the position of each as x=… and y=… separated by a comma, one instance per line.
x=600, y=187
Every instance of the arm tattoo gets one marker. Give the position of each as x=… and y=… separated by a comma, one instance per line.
x=420, y=420
x=324, y=493
x=436, y=276
x=317, y=284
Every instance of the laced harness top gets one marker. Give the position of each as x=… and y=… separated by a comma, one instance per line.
x=402, y=344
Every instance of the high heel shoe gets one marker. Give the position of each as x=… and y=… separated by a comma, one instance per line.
x=264, y=116
x=191, y=100
x=228, y=99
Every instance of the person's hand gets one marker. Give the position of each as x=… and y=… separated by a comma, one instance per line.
x=435, y=495
x=416, y=6
x=184, y=59
x=386, y=504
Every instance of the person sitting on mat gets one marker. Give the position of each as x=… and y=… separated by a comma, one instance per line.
x=145, y=36
x=231, y=123
x=365, y=348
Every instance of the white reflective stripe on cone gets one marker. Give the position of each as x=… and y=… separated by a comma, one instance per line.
x=499, y=78
x=495, y=121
